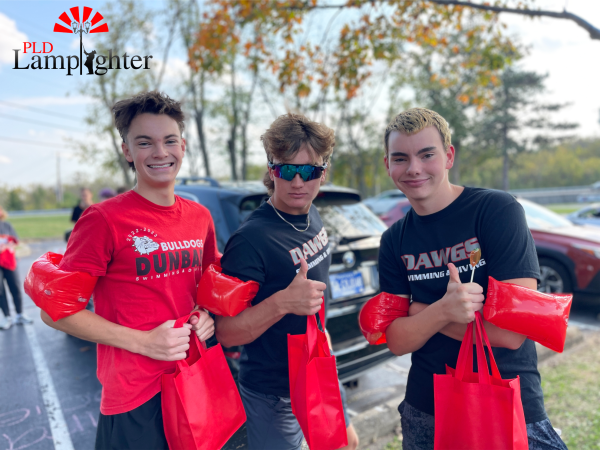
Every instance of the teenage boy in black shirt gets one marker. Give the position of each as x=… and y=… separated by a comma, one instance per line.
x=283, y=246
x=425, y=256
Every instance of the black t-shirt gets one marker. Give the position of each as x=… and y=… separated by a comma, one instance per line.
x=413, y=261
x=268, y=250
x=77, y=212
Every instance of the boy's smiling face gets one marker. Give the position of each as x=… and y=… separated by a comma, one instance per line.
x=154, y=144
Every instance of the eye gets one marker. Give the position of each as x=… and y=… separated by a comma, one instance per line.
x=428, y=155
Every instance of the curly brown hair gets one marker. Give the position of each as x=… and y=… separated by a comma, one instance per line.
x=153, y=102
x=290, y=133
x=414, y=120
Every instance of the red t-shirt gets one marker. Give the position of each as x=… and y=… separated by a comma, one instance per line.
x=149, y=259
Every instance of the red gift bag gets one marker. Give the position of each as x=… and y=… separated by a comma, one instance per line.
x=315, y=389
x=201, y=405
x=475, y=410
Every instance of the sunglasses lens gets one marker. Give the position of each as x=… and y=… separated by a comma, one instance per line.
x=307, y=172
x=288, y=172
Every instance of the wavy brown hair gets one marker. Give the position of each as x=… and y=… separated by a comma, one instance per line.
x=292, y=132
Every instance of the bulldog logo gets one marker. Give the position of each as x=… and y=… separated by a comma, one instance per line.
x=144, y=245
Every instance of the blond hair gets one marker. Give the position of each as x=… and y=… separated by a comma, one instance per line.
x=414, y=120
x=3, y=214
x=291, y=133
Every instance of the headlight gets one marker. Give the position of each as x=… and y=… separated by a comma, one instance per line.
x=590, y=249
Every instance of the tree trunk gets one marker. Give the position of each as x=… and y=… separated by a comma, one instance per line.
x=233, y=126
x=199, y=118
x=123, y=163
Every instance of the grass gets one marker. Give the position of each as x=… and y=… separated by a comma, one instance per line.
x=41, y=227
x=572, y=396
x=565, y=208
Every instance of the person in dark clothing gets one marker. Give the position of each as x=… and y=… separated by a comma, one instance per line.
x=85, y=201
x=425, y=257
x=8, y=241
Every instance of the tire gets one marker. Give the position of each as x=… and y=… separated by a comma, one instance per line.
x=554, y=277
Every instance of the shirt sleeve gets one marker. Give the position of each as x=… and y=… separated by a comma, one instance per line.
x=210, y=253
x=507, y=245
x=241, y=260
x=393, y=277
x=12, y=232
x=90, y=246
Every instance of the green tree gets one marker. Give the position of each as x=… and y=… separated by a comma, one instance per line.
x=15, y=200
x=517, y=120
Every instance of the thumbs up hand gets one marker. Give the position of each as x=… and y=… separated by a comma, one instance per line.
x=302, y=297
x=461, y=301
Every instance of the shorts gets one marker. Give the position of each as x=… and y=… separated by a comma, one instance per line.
x=139, y=429
x=270, y=422
x=418, y=431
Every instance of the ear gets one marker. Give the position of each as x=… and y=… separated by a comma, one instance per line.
x=387, y=164
x=271, y=176
x=183, y=147
x=126, y=152
x=450, y=154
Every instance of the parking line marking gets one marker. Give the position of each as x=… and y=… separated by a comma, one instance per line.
x=58, y=425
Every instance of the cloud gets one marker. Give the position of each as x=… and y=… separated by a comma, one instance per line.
x=10, y=38
x=4, y=160
x=55, y=101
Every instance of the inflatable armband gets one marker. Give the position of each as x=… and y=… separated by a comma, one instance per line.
x=378, y=313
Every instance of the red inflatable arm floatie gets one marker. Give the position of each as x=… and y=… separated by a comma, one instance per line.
x=378, y=313
x=56, y=291
x=224, y=295
x=541, y=317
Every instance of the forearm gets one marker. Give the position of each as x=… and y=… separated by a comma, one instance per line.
x=250, y=323
x=407, y=334
x=497, y=336
x=91, y=327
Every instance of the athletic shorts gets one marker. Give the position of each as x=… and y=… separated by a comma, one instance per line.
x=418, y=431
x=139, y=429
x=270, y=422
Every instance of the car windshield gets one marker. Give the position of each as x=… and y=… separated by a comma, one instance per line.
x=539, y=217
x=350, y=220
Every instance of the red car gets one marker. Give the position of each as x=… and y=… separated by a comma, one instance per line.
x=569, y=254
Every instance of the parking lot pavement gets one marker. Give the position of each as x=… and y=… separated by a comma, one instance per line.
x=50, y=396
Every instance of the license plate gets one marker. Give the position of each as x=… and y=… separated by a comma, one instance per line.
x=346, y=284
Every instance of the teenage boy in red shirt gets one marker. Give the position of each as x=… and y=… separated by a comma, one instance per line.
x=148, y=248
x=425, y=256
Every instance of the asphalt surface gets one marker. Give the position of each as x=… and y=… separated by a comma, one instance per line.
x=50, y=396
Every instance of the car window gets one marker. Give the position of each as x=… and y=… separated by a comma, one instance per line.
x=589, y=213
x=539, y=217
x=350, y=220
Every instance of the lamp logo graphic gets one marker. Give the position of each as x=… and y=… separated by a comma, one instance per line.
x=80, y=24
x=80, y=27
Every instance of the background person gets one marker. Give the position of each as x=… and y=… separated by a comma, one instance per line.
x=10, y=276
x=85, y=201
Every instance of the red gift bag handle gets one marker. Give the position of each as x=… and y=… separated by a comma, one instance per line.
x=194, y=341
x=312, y=327
x=464, y=366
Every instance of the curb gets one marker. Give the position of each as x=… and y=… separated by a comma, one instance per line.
x=384, y=419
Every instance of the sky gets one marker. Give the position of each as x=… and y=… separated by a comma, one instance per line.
x=42, y=111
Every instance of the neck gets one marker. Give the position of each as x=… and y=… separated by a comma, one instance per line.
x=282, y=206
x=162, y=196
x=441, y=199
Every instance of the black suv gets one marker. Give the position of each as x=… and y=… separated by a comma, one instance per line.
x=354, y=233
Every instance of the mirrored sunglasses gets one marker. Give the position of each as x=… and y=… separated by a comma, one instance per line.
x=289, y=171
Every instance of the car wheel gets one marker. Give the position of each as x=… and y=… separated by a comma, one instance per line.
x=554, y=277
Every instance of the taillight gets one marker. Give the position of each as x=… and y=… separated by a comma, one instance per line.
x=233, y=355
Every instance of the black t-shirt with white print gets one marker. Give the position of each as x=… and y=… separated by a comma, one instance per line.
x=413, y=261
x=268, y=250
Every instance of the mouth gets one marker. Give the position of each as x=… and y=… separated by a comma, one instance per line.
x=161, y=166
x=415, y=183
x=296, y=195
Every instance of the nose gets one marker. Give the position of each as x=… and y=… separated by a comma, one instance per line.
x=414, y=167
x=160, y=151
x=297, y=181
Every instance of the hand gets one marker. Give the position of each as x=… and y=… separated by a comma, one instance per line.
x=166, y=343
x=302, y=297
x=203, y=326
x=461, y=301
